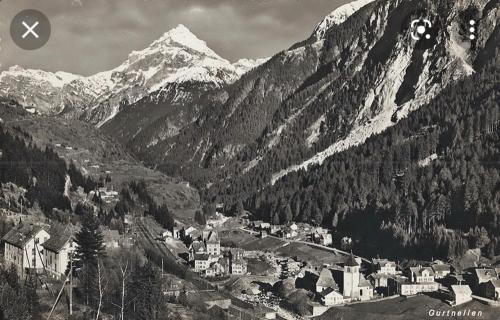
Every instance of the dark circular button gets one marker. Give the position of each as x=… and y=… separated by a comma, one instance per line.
x=30, y=29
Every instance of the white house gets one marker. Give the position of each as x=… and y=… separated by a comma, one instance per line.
x=57, y=252
x=238, y=265
x=441, y=270
x=330, y=297
x=461, y=294
x=23, y=247
x=421, y=274
x=385, y=266
x=212, y=243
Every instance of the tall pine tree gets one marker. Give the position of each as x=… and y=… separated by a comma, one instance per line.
x=90, y=242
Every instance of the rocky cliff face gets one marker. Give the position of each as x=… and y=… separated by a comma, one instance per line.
x=358, y=74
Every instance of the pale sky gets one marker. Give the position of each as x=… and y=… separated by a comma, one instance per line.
x=89, y=36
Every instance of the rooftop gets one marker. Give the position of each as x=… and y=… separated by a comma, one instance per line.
x=57, y=242
x=363, y=283
x=486, y=273
x=461, y=289
x=21, y=234
x=351, y=261
x=198, y=246
x=329, y=291
x=495, y=282
x=441, y=267
x=326, y=279
x=213, y=237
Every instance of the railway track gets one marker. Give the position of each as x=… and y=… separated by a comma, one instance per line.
x=170, y=261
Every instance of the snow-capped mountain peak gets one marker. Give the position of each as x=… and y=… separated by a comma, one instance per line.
x=183, y=36
x=58, y=79
x=177, y=57
x=339, y=16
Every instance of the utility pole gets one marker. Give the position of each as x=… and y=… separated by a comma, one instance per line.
x=162, y=268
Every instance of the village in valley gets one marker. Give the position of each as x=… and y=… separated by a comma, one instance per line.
x=230, y=265
x=250, y=269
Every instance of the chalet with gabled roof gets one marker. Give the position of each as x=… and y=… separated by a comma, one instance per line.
x=403, y=286
x=421, y=274
x=196, y=247
x=22, y=247
x=330, y=297
x=238, y=265
x=483, y=275
x=325, y=281
x=212, y=243
x=57, y=253
x=441, y=270
x=384, y=266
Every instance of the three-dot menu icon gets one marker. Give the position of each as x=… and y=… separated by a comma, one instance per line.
x=472, y=29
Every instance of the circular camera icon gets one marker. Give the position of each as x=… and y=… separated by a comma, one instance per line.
x=421, y=29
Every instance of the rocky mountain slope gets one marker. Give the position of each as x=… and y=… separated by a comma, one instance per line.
x=96, y=153
x=177, y=58
x=356, y=76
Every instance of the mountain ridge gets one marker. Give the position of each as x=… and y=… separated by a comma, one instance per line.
x=362, y=77
x=176, y=57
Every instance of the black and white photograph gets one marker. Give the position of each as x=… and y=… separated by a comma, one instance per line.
x=249, y=159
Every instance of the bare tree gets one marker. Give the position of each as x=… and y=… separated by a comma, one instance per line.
x=102, y=283
x=123, y=270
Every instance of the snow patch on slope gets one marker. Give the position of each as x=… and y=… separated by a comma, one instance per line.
x=339, y=16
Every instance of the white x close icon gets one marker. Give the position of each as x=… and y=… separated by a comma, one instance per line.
x=30, y=30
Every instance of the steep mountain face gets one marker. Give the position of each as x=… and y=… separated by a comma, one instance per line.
x=178, y=59
x=356, y=76
x=37, y=90
x=411, y=161
x=426, y=187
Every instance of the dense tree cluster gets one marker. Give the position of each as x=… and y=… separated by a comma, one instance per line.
x=18, y=299
x=436, y=169
x=161, y=213
x=42, y=172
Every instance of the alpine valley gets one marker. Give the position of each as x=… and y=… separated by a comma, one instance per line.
x=358, y=120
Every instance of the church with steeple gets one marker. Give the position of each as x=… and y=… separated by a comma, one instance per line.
x=356, y=287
